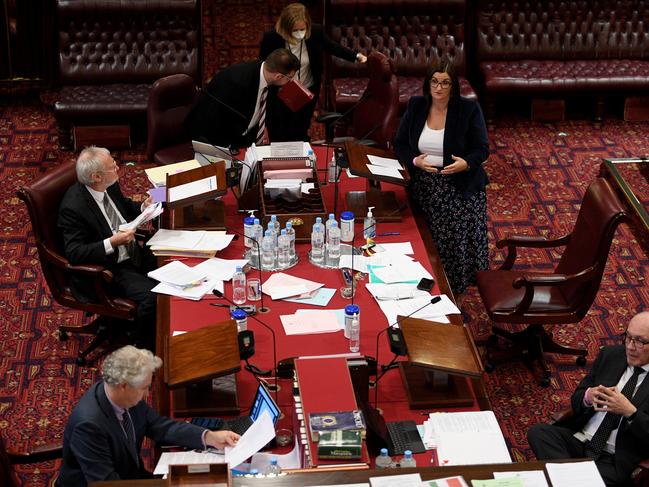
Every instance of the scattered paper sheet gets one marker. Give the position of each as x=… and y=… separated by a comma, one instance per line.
x=531, y=478
x=194, y=293
x=282, y=285
x=574, y=474
x=148, y=214
x=350, y=175
x=340, y=315
x=405, y=272
x=395, y=292
x=253, y=440
x=306, y=187
x=398, y=247
x=457, y=481
x=408, y=480
x=185, y=458
x=384, y=162
x=318, y=321
x=320, y=297
x=222, y=269
x=416, y=308
x=345, y=261
x=289, y=460
x=384, y=171
x=181, y=239
x=178, y=274
x=506, y=482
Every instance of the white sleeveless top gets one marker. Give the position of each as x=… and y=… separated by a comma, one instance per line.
x=431, y=142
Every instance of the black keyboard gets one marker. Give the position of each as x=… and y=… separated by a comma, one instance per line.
x=404, y=436
x=239, y=425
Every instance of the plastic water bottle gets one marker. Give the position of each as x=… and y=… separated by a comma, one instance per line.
x=317, y=241
x=383, y=460
x=268, y=250
x=290, y=231
x=283, y=246
x=355, y=335
x=408, y=461
x=241, y=318
x=273, y=467
x=369, y=224
x=239, y=287
x=333, y=241
x=312, y=159
x=330, y=221
x=257, y=233
x=332, y=170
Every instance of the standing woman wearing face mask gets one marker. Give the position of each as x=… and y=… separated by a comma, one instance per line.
x=294, y=31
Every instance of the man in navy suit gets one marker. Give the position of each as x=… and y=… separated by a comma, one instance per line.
x=89, y=218
x=104, y=434
x=610, y=423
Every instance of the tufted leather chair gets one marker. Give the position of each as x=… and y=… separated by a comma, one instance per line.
x=43, y=198
x=548, y=48
x=170, y=100
x=111, y=51
x=534, y=299
x=9, y=458
x=412, y=33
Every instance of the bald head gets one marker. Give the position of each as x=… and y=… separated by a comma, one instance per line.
x=637, y=340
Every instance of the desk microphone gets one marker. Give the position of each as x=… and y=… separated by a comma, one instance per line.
x=397, y=344
x=250, y=338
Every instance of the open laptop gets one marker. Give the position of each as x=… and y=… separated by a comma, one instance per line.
x=207, y=153
x=263, y=402
x=396, y=436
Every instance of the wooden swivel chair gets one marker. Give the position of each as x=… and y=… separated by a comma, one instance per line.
x=9, y=458
x=562, y=297
x=170, y=100
x=43, y=198
x=375, y=117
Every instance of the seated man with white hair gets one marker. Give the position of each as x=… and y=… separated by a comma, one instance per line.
x=104, y=434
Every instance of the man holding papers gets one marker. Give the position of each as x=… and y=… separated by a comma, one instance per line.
x=89, y=219
x=104, y=434
x=610, y=423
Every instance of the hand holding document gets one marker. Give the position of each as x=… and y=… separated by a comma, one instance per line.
x=253, y=440
x=148, y=214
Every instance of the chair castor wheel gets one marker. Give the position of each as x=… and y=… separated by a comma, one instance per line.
x=581, y=360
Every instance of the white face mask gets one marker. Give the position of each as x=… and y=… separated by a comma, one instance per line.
x=299, y=34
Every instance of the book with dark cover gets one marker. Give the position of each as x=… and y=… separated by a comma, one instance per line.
x=337, y=444
x=339, y=420
x=294, y=95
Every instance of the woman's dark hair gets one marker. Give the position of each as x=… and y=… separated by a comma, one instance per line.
x=444, y=65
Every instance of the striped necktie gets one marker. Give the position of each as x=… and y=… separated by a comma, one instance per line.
x=611, y=421
x=124, y=251
x=261, y=131
x=127, y=424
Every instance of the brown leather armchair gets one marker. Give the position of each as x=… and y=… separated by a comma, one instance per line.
x=9, y=458
x=43, y=198
x=170, y=100
x=536, y=299
x=375, y=116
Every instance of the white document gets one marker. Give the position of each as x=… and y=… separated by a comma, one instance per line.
x=253, y=440
x=395, y=292
x=404, y=272
x=359, y=262
x=445, y=482
x=148, y=214
x=194, y=293
x=185, y=458
x=398, y=247
x=290, y=460
x=384, y=162
x=390, y=172
x=194, y=188
x=468, y=438
x=213, y=240
x=574, y=474
x=249, y=167
x=177, y=273
x=350, y=175
x=418, y=307
x=407, y=480
x=530, y=478
x=180, y=239
x=388, y=258
x=282, y=183
x=158, y=175
x=281, y=285
x=306, y=187
x=317, y=321
x=289, y=149
x=222, y=269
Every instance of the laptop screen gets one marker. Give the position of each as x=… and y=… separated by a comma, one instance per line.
x=264, y=402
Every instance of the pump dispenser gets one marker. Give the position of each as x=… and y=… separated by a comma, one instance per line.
x=369, y=224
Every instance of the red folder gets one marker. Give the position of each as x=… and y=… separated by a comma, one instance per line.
x=294, y=95
x=325, y=385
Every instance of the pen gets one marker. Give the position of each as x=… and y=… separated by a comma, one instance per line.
x=388, y=234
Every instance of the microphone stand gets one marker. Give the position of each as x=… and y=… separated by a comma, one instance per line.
x=435, y=299
x=274, y=388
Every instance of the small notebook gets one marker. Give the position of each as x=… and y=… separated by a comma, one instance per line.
x=294, y=95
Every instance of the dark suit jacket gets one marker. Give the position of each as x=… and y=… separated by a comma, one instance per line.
x=632, y=441
x=465, y=135
x=84, y=228
x=95, y=447
x=223, y=117
x=316, y=45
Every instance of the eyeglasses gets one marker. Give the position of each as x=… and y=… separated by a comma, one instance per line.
x=445, y=84
x=635, y=341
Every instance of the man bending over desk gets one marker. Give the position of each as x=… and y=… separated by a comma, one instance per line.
x=610, y=421
x=104, y=434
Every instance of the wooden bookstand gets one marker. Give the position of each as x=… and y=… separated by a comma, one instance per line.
x=441, y=356
x=199, y=211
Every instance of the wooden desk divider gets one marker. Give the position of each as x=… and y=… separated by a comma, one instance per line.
x=441, y=356
x=212, y=475
x=190, y=363
x=200, y=211
x=384, y=202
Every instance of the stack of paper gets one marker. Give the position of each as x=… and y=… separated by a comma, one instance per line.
x=188, y=243
x=383, y=166
x=158, y=175
x=177, y=274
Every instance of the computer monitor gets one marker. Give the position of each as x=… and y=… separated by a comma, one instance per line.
x=264, y=402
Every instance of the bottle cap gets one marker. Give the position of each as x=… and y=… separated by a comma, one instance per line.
x=249, y=220
x=238, y=314
x=369, y=210
x=407, y=453
x=318, y=219
x=283, y=232
x=256, y=221
x=273, y=218
x=352, y=309
x=347, y=215
x=384, y=451
x=332, y=216
x=273, y=461
x=289, y=225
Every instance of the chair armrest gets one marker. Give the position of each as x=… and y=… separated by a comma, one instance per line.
x=328, y=117
x=42, y=453
x=640, y=475
x=561, y=416
x=527, y=241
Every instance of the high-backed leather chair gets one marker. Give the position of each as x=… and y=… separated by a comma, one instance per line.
x=43, y=198
x=170, y=100
x=559, y=298
x=375, y=116
x=9, y=458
